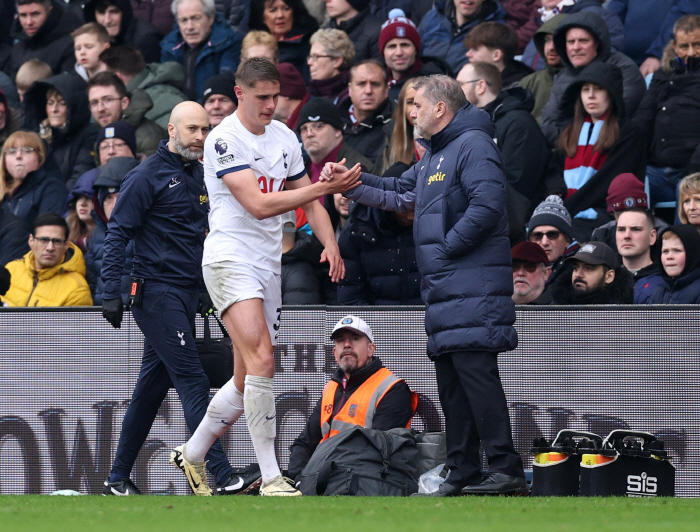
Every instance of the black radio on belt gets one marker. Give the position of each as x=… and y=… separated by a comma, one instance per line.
x=136, y=291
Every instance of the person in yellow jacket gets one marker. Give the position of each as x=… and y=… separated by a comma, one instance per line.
x=52, y=273
x=361, y=392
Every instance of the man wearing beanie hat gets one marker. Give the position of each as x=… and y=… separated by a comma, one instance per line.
x=355, y=19
x=117, y=139
x=219, y=98
x=399, y=44
x=597, y=278
x=550, y=227
x=293, y=95
x=321, y=128
x=530, y=272
x=626, y=193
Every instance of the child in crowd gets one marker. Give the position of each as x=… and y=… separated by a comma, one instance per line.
x=89, y=41
x=31, y=71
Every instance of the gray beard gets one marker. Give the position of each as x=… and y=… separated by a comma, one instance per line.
x=185, y=151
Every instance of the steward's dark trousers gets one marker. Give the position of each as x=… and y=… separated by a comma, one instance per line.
x=475, y=409
x=166, y=318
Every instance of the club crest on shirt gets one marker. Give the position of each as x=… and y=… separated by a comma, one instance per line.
x=352, y=411
x=220, y=146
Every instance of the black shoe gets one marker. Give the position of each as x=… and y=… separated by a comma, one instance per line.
x=445, y=490
x=246, y=480
x=121, y=487
x=498, y=484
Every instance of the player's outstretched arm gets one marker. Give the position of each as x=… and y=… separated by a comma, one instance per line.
x=323, y=229
x=244, y=187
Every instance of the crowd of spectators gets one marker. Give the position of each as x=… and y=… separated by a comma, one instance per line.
x=595, y=103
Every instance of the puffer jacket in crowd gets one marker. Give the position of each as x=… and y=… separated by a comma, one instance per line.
x=684, y=289
x=363, y=30
x=380, y=260
x=440, y=36
x=642, y=20
x=221, y=53
x=134, y=31
x=162, y=82
x=670, y=116
x=300, y=282
x=632, y=80
x=52, y=43
x=236, y=13
x=148, y=133
x=458, y=190
x=157, y=12
x=41, y=191
x=72, y=144
x=63, y=285
x=540, y=83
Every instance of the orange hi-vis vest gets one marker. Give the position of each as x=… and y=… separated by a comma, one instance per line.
x=361, y=406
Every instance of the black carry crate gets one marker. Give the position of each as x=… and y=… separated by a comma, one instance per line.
x=630, y=463
x=556, y=467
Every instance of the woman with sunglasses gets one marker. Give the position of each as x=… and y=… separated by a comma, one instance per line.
x=28, y=186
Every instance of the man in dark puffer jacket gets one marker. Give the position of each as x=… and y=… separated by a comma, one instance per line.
x=461, y=233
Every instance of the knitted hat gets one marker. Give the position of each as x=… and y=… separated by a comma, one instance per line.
x=626, y=192
x=552, y=212
x=399, y=28
x=529, y=252
x=360, y=5
x=220, y=84
x=321, y=110
x=118, y=130
x=292, y=85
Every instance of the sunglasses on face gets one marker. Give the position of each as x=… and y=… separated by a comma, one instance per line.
x=530, y=267
x=538, y=235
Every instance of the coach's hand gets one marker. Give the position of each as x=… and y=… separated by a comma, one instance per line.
x=112, y=311
x=206, y=305
x=343, y=179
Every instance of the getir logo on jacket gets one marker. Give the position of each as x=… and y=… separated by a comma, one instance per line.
x=440, y=176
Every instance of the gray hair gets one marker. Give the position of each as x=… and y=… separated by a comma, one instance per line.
x=337, y=44
x=442, y=88
x=208, y=7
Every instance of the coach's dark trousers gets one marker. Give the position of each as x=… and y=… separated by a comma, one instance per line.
x=166, y=318
x=475, y=409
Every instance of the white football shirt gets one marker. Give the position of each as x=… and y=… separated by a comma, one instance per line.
x=275, y=158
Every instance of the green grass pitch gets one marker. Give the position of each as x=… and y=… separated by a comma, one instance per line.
x=347, y=514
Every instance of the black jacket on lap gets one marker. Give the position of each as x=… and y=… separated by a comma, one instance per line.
x=394, y=411
x=380, y=260
x=670, y=116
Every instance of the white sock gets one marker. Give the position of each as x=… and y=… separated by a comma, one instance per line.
x=260, y=415
x=224, y=410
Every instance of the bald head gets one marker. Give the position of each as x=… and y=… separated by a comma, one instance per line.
x=187, y=129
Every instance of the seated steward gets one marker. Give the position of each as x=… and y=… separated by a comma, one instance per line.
x=345, y=402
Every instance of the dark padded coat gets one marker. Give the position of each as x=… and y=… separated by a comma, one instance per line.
x=363, y=30
x=380, y=260
x=300, y=282
x=684, y=289
x=135, y=32
x=458, y=190
x=72, y=145
x=670, y=116
x=394, y=411
x=41, y=191
x=632, y=80
x=14, y=235
x=52, y=43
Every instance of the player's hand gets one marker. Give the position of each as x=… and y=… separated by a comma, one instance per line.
x=113, y=311
x=329, y=168
x=649, y=66
x=344, y=179
x=331, y=254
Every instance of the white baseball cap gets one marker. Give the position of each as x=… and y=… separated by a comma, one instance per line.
x=354, y=324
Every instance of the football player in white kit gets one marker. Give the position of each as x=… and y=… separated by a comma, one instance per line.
x=254, y=172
